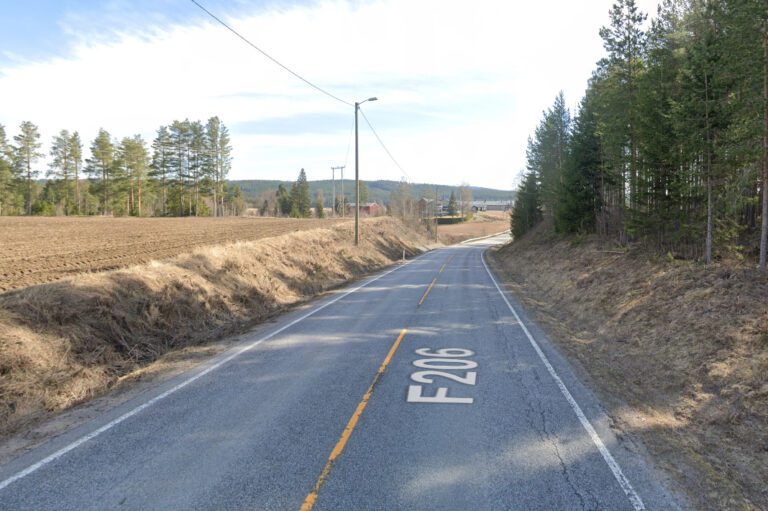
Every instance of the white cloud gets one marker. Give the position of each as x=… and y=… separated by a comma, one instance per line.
x=468, y=81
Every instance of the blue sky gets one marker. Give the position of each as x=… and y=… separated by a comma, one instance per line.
x=461, y=85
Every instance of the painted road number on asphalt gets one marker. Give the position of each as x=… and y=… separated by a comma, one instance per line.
x=436, y=365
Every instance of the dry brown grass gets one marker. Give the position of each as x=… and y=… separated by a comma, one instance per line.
x=677, y=349
x=40, y=249
x=482, y=224
x=67, y=341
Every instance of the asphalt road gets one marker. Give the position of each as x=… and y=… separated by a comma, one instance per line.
x=364, y=400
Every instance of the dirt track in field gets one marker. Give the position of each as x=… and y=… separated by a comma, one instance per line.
x=35, y=250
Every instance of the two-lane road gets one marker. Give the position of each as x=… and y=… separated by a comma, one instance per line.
x=421, y=388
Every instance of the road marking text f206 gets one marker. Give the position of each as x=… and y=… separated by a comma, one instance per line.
x=436, y=364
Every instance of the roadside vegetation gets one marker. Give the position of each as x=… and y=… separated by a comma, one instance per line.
x=677, y=350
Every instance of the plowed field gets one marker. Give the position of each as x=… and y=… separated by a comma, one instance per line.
x=34, y=250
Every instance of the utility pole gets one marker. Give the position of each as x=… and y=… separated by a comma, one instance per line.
x=357, y=176
x=436, y=212
x=333, y=180
x=357, y=184
x=343, y=202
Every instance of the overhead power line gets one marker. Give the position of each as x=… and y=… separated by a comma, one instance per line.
x=384, y=146
x=249, y=43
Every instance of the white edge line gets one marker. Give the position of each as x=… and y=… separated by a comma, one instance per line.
x=93, y=434
x=634, y=498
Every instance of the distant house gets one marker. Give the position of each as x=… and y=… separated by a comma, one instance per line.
x=368, y=209
x=428, y=207
x=491, y=205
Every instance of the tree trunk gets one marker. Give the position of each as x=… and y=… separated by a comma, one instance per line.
x=708, y=243
x=77, y=190
x=29, y=188
x=764, y=230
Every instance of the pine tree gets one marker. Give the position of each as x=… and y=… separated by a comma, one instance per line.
x=745, y=37
x=7, y=181
x=134, y=159
x=220, y=153
x=624, y=40
x=76, y=158
x=27, y=152
x=161, y=168
x=102, y=169
x=180, y=199
x=61, y=167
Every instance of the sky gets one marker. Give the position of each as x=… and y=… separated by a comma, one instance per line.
x=460, y=85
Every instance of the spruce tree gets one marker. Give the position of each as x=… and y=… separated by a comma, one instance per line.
x=453, y=208
x=283, y=201
x=579, y=199
x=527, y=210
x=301, y=203
x=320, y=205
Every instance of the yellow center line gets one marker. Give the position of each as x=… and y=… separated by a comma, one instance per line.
x=309, y=502
x=446, y=264
x=426, y=293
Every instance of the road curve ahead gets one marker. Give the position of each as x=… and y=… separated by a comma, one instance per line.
x=422, y=388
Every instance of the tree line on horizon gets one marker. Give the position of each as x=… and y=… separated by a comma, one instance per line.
x=297, y=203
x=182, y=173
x=670, y=143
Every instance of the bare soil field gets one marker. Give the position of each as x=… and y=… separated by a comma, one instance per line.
x=65, y=342
x=35, y=250
x=677, y=350
x=482, y=224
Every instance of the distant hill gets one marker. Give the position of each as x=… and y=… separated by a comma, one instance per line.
x=378, y=190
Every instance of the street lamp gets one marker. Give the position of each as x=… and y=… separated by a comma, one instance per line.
x=357, y=175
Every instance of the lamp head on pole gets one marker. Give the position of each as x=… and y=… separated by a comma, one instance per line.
x=357, y=104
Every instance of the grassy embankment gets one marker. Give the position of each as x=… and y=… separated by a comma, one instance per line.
x=64, y=342
x=677, y=350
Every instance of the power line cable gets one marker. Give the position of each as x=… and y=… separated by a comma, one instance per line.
x=249, y=43
x=384, y=146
